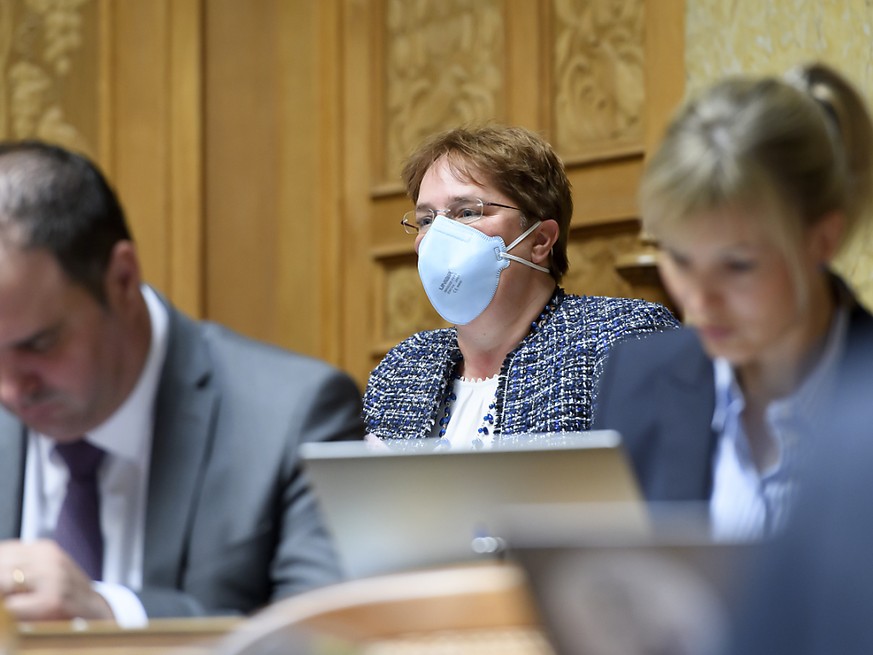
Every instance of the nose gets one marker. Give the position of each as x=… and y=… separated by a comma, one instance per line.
x=17, y=386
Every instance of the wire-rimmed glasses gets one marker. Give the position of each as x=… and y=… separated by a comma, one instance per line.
x=466, y=210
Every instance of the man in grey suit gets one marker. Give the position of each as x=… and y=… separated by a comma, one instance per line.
x=194, y=501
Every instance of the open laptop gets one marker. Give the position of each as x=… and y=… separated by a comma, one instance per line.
x=411, y=504
x=602, y=589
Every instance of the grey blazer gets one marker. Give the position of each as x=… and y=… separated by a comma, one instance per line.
x=231, y=523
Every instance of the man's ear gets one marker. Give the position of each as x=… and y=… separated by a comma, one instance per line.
x=545, y=236
x=122, y=278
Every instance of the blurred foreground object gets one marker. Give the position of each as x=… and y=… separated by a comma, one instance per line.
x=464, y=609
x=8, y=632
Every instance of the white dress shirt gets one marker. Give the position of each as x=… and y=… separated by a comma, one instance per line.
x=747, y=503
x=126, y=436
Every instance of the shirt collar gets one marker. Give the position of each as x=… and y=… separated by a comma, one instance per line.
x=804, y=401
x=728, y=395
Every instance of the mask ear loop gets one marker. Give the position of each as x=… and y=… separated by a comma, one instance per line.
x=522, y=237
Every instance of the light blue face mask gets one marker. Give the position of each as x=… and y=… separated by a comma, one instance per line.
x=460, y=267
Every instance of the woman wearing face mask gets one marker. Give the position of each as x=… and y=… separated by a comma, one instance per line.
x=491, y=219
x=755, y=187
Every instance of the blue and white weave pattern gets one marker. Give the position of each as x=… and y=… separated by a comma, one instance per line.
x=547, y=384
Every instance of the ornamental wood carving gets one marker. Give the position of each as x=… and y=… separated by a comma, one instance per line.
x=592, y=255
x=41, y=44
x=442, y=68
x=597, y=73
x=407, y=309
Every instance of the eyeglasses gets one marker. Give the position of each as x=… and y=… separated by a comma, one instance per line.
x=466, y=210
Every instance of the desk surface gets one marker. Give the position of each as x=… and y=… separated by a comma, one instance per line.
x=468, y=610
x=508, y=641
x=200, y=636
x=182, y=636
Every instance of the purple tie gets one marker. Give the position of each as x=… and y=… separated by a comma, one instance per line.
x=78, y=529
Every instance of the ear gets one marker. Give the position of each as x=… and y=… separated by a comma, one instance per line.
x=122, y=278
x=545, y=237
x=826, y=237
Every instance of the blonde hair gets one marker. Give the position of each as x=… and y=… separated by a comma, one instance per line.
x=794, y=148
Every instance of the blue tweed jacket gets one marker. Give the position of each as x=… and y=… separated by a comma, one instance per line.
x=547, y=384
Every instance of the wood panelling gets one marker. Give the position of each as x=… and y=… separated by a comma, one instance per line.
x=527, y=67
x=358, y=291
x=152, y=121
x=242, y=164
x=597, y=67
x=271, y=171
x=257, y=145
x=328, y=142
x=186, y=230
x=139, y=130
x=574, y=70
x=49, y=60
x=593, y=252
x=605, y=191
x=665, y=66
x=441, y=64
x=120, y=82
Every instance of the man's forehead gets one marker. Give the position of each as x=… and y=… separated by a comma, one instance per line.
x=33, y=293
x=24, y=268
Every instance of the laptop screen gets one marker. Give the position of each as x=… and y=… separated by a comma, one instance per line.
x=406, y=505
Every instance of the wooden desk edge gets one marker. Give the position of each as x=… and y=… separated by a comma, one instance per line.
x=160, y=632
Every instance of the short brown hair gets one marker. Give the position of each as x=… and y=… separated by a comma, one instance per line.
x=516, y=161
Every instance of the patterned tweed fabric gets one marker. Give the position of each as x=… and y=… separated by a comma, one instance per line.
x=547, y=384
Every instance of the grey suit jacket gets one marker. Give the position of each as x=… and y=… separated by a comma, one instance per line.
x=231, y=523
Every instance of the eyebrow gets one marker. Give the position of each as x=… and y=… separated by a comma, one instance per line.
x=452, y=201
x=736, y=245
x=29, y=341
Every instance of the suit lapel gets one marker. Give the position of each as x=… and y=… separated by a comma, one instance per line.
x=13, y=448
x=688, y=438
x=184, y=416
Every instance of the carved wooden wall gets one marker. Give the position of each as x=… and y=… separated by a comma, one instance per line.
x=578, y=71
x=114, y=80
x=49, y=60
x=257, y=145
x=270, y=171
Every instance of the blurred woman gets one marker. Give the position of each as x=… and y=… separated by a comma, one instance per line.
x=756, y=185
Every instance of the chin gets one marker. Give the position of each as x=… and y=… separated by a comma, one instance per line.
x=59, y=434
x=734, y=353
x=49, y=422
